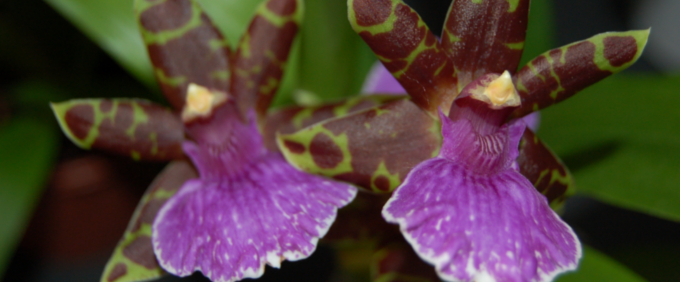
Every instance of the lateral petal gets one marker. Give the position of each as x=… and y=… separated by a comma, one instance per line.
x=263, y=52
x=131, y=127
x=373, y=148
x=560, y=73
x=133, y=259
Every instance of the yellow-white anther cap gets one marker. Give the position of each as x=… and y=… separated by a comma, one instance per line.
x=200, y=101
x=500, y=92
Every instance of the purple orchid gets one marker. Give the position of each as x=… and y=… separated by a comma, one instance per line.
x=469, y=211
x=247, y=207
x=475, y=200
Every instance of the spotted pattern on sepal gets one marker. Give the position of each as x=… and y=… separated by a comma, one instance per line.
x=132, y=127
x=544, y=170
x=184, y=47
x=291, y=119
x=373, y=148
x=485, y=36
x=560, y=73
x=407, y=48
x=133, y=259
x=263, y=51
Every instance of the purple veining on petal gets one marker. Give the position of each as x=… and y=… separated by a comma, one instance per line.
x=473, y=216
x=380, y=80
x=533, y=120
x=248, y=209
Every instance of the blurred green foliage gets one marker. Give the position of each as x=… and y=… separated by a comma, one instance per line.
x=597, y=267
x=621, y=140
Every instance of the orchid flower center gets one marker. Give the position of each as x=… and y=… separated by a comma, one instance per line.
x=498, y=93
x=200, y=102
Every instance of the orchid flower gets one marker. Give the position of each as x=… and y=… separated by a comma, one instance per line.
x=468, y=206
x=245, y=207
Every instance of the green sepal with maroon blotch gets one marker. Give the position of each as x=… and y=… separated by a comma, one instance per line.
x=407, y=48
x=485, y=36
x=373, y=148
x=263, y=51
x=560, y=73
x=184, y=47
x=131, y=127
x=544, y=170
x=134, y=259
x=290, y=119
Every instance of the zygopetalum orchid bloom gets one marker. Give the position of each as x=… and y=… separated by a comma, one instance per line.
x=467, y=207
x=247, y=207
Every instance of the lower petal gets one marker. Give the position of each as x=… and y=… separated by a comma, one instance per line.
x=474, y=227
x=229, y=229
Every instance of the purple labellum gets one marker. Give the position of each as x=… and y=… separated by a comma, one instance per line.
x=471, y=213
x=248, y=208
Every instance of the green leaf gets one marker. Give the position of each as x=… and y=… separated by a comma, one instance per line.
x=27, y=148
x=334, y=59
x=621, y=140
x=111, y=24
x=596, y=266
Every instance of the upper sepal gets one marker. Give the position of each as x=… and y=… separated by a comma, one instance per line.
x=560, y=73
x=133, y=259
x=373, y=148
x=263, y=52
x=132, y=127
x=184, y=47
x=485, y=36
x=407, y=48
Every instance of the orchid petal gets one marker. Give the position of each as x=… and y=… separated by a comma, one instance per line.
x=474, y=226
x=560, y=73
x=485, y=36
x=230, y=228
x=132, y=127
x=402, y=42
x=373, y=148
x=544, y=169
x=263, y=52
x=133, y=259
x=291, y=119
x=184, y=46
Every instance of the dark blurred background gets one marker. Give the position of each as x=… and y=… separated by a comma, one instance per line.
x=90, y=196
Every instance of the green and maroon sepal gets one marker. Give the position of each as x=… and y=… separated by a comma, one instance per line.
x=263, y=52
x=291, y=119
x=373, y=148
x=408, y=49
x=132, y=127
x=133, y=259
x=184, y=47
x=560, y=73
